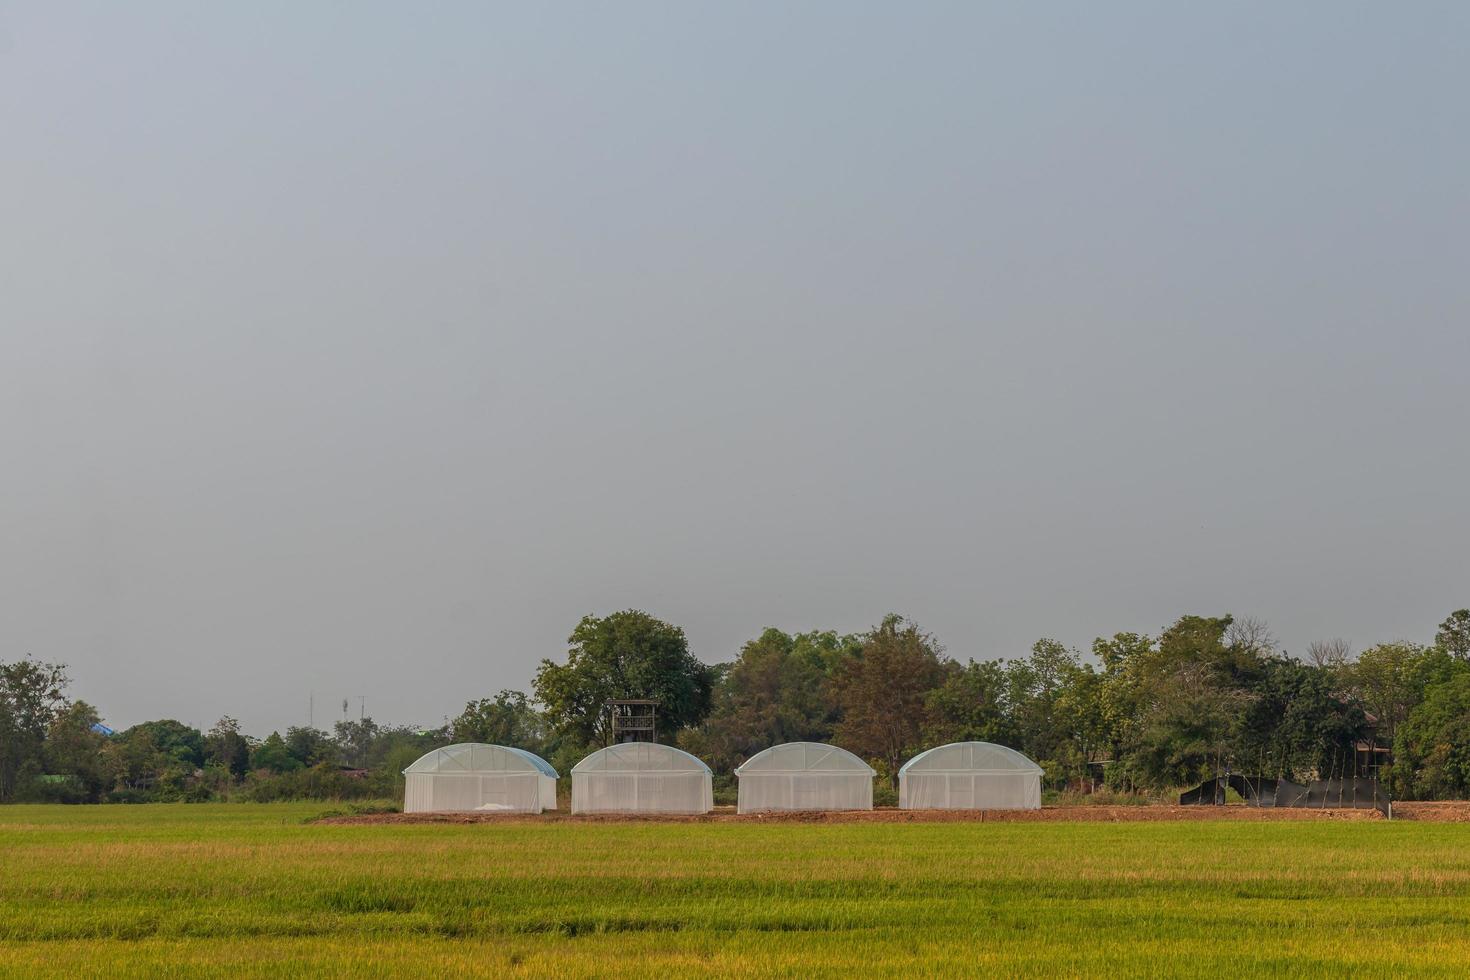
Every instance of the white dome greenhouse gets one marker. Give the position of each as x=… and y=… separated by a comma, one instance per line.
x=641, y=777
x=970, y=776
x=476, y=776
x=805, y=776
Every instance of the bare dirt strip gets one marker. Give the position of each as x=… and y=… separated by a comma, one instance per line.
x=1452, y=812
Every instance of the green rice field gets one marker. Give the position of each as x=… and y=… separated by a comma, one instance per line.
x=260, y=890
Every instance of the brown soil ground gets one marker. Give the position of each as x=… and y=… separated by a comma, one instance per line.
x=1455, y=812
x=1450, y=811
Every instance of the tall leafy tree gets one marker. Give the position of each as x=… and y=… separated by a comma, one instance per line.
x=1390, y=679
x=972, y=704
x=226, y=747
x=1454, y=634
x=310, y=746
x=355, y=740
x=272, y=755
x=1120, y=696
x=1432, y=750
x=1295, y=724
x=776, y=691
x=75, y=748
x=139, y=759
x=1035, y=685
x=506, y=719
x=180, y=743
x=884, y=692
x=1187, y=731
x=31, y=695
x=627, y=655
x=1086, y=732
x=1178, y=702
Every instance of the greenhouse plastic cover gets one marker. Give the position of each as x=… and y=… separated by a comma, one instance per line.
x=805, y=776
x=970, y=776
x=477, y=776
x=641, y=777
x=480, y=757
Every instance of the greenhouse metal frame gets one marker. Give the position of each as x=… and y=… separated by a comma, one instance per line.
x=472, y=776
x=804, y=776
x=641, y=777
x=970, y=776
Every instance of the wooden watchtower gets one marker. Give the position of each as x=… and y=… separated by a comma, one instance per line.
x=631, y=720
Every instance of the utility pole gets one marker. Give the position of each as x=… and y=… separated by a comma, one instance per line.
x=361, y=707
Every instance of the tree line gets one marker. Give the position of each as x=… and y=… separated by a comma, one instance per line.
x=1136, y=713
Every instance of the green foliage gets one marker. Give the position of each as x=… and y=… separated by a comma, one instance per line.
x=1433, y=745
x=1036, y=687
x=1295, y=725
x=1174, y=708
x=777, y=690
x=883, y=692
x=1390, y=680
x=383, y=750
x=227, y=748
x=311, y=746
x=506, y=719
x=627, y=655
x=31, y=695
x=972, y=704
x=272, y=755
x=77, y=752
x=355, y=741
x=181, y=744
x=1148, y=715
x=1453, y=636
x=322, y=782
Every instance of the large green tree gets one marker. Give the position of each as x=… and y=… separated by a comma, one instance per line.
x=180, y=743
x=1295, y=724
x=627, y=655
x=31, y=695
x=1119, y=698
x=355, y=740
x=509, y=718
x=1175, y=705
x=272, y=755
x=972, y=704
x=1187, y=731
x=310, y=746
x=75, y=748
x=884, y=691
x=1389, y=679
x=1453, y=635
x=1035, y=684
x=140, y=762
x=227, y=747
x=777, y=690
x=1432, y=750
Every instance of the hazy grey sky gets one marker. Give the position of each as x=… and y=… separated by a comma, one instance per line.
x=362, y=349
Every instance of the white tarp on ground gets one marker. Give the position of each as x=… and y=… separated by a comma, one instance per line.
x=805, y=776
x=476, y=776
x=641, y=777
x=970, y=776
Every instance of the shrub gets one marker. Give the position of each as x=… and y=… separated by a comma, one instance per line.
x=53, y=789
x=323, y=782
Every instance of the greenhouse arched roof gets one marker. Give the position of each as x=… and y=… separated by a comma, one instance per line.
x=640, y=757
x=970, y=757
x=481, y=757
x=804, y=757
